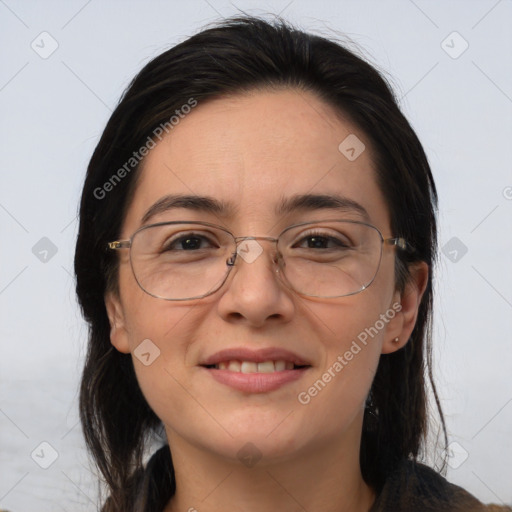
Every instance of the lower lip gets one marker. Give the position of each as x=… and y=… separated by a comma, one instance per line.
x=256, y=382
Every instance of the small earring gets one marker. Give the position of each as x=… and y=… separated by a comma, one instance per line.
x=396, y=340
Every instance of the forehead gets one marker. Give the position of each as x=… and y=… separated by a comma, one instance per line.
x=255, y=150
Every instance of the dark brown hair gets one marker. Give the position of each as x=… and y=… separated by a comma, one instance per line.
x=243, y=54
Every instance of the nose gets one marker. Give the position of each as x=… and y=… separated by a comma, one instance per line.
x=254, y=294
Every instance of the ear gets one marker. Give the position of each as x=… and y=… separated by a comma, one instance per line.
x=407, y=304
x=118, y=333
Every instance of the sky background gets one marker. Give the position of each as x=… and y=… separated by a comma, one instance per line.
x=63, y=68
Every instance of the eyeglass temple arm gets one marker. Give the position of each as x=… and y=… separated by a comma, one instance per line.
x=400, y=242
x=119, y=244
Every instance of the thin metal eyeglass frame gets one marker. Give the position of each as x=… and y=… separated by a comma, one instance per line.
x=399, y=242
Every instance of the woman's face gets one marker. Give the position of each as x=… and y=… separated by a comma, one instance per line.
x=251, y=153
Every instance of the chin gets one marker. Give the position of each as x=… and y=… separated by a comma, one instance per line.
x=270, y=437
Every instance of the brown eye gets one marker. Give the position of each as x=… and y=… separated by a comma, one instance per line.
x=321, y=242
x=189, y=242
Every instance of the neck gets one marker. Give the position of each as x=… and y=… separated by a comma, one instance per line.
x=324, y=478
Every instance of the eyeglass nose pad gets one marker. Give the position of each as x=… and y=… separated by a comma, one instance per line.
x=230, y=262
x=278, y=260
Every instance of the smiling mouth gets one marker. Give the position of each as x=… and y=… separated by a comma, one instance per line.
x=246, y=367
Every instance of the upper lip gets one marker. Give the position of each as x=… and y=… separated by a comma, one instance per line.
x=257, y=356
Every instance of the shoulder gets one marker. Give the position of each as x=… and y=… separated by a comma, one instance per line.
x=416, y=487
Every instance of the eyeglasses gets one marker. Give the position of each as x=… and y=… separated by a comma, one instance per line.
x=183, y=260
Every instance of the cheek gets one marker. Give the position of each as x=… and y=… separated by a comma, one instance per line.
x=160, y=335
x=340, y=322
x=147, y=317
x=352, y=332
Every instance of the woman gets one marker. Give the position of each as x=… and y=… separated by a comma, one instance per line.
x=255, y=262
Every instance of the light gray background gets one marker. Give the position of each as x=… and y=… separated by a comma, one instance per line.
x=53, y=111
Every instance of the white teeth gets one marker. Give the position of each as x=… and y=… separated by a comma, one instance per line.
x=249, y=367
x=280, y=366
x=234, y=366
x=252, y=367
x=266, y=367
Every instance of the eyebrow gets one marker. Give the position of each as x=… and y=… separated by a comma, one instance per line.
x=311, y=202
x=190, y=202
x=302, y=202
